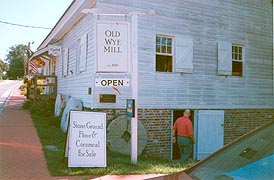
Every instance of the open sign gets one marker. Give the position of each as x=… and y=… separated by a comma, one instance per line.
x=108, y=82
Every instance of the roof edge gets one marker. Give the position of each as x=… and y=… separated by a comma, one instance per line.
x=68, y=19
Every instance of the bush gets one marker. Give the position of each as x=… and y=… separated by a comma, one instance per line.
x=27, y=104
x=43, y=108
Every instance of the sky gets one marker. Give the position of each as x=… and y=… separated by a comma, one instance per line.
x=40, y=13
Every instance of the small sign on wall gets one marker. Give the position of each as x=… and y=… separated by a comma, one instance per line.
x=112, y=46
x=130, y=108
x=87, y=139
x=109, y=82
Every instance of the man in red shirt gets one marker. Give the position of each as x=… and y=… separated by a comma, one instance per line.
x=184, y=129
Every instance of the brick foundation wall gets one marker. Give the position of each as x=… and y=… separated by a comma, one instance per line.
x=158, y=125
x=240, y=121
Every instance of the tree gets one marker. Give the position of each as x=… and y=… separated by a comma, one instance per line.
x=3, y=68
x=16, y=59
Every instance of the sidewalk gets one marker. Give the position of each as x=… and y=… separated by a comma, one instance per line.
x=21, y=155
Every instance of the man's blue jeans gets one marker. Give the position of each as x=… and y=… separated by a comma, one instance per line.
x=184, y=144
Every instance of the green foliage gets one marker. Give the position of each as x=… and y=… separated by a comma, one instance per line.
x=43, y=108
x=48, y=128
x=16, y=59
x=3, y=68
x=116, y=163
x=27, y=104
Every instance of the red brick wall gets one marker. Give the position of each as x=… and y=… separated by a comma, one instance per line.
x=239, y=121
x=158, y=125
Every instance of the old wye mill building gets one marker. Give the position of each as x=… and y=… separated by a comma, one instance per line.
x=214, y=57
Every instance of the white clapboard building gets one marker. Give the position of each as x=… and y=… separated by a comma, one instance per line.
x=214, y=57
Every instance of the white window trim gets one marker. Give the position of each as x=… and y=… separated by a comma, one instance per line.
x=243, y=59
x=226, y=47
x=165, y=54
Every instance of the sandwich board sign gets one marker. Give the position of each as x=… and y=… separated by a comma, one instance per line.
x=87, y=139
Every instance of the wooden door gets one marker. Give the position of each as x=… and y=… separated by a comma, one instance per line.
x=209, y=132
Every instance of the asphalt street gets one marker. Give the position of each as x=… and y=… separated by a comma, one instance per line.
x=6, y=89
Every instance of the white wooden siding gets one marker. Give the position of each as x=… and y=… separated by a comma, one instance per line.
x=204, y=88
x=205, y=22
x=76, y=84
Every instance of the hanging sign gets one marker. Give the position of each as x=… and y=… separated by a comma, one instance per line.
x=112, y=46
x=87, y=139
x=54, y=50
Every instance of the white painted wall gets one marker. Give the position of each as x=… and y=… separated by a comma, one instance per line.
x=205, y=23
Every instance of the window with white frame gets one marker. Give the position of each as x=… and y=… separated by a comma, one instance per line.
x=164, y=54
x=237, y=60
x=230, y=59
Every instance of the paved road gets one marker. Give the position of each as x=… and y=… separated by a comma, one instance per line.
x=6, y=88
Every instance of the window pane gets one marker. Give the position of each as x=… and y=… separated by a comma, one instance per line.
x=163, y=49
x=164, y=41
x=240, y=50
x=233, y=56
x=240, y=57
x=236, y=49
x=233, y=49
x=164, y=45
x=158, y=40
x=237, y=52
x=237, y=68
x=158, y=48
x=163, y=63
x=237, y=56
x=169, y=41
x=169, y=49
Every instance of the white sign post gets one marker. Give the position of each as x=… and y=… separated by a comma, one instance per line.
x=112, y=46
x=87, y=139
x=112, y=50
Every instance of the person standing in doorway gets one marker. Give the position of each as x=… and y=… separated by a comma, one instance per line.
x=184, y=129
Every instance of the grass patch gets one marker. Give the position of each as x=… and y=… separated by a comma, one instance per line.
x=48, y=129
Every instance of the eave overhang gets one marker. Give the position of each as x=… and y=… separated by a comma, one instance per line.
x=67, y=21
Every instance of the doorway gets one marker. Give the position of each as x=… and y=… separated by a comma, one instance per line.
x=175, y=149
